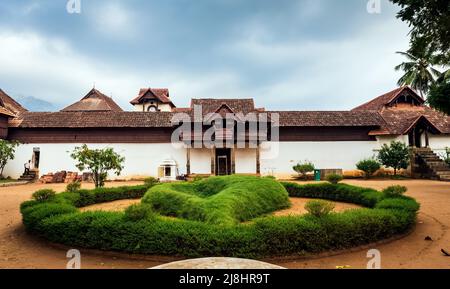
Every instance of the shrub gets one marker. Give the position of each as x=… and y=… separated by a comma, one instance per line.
x=319, y=208
x=73, y=187
x=150, y=182
x=219, y=200
x=339, y=193
x=304, y=168
x=369, y=167
x=44, y=195
x=404, y=203
x=334, y=179
x=394, y=191
x=59, y=221
x=138, y=212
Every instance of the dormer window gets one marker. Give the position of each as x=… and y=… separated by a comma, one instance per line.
x=153, y=100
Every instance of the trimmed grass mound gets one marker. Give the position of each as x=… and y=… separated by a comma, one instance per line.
x=219, y=200
x=142, y=230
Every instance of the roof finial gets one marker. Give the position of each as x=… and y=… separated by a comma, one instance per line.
x=94, y=84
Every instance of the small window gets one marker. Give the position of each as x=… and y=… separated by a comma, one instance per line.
x=167, y=171
x=152, y=108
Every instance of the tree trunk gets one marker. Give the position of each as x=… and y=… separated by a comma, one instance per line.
x=96, y=179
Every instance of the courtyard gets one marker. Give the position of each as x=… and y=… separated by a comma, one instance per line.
x=21, y=250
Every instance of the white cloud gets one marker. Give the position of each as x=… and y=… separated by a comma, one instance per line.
x=113, y=19
x=52, y=70
x=30, y=8
x=336, y=74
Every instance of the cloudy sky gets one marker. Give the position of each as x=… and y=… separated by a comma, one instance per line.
x=287, y=54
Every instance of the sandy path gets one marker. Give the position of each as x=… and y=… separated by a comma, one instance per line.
x=19, y=250
x=298, y=207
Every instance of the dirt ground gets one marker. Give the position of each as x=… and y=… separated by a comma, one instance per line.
x=20, y=250
x=297, y=208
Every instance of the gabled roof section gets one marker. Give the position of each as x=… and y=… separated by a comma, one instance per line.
x=8, y=106
x=210, y=105
x=399, y=122
x=423, y=119
x=162, y=94
x=389, y=98
x=94, y=101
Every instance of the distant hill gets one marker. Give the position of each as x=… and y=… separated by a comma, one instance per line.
x=35, y=104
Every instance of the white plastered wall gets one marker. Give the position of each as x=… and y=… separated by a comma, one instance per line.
x=245, y=161
x=438, y=143
x=201, y=161
x=141, y=160
x=324, y=155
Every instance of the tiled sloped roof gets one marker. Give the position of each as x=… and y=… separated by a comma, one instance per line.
x=328, y=118
x=9, y=104
x=108, y=119
x=94, y=101
x=162, y=94
x=399, y=121
x=209, y=105
x=380, y=102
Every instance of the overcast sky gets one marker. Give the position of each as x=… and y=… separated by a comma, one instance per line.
x=287, y=54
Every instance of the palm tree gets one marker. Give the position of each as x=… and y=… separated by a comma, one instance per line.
x=419, y=71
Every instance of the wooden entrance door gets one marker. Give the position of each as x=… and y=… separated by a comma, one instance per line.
x=223, y=162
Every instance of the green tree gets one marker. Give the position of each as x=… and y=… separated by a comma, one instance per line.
x=430, y=23
x=395, y=155
x=304, y=168
x=99, y=162
x=419, y=71
x=439, y=96
x=7, y=151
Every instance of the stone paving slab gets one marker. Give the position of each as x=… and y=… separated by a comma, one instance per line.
x=219, y=263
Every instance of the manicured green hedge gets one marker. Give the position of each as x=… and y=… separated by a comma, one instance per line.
x=219, y=200
x=339, y=193
x=59, y=221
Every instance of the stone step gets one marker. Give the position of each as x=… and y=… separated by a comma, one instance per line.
x=443, y=173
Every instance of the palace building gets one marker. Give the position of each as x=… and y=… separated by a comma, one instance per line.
x=272, y=142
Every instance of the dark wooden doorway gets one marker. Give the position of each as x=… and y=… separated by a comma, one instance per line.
x=36, y=158
x=223, y=162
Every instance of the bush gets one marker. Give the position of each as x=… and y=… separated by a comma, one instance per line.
x=73, y=187
x=338, y=193
x=44, y=195
x=394, y=191
x=408, y=204
x=319, y=208
x=150, y=182
x=138, y=212
x=85, y=198
x=219, y=200
x=334, y=179
x=369, y=167
x=304, y=168
x=59, y=221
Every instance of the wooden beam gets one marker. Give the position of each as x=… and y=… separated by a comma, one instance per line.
x=258, y=160
x=233, y=161
x=213, y=161
x=188, y=161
